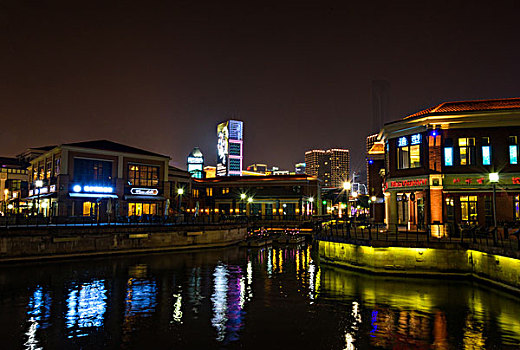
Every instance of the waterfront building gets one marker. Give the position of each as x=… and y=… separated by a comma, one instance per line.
x=268, y=196
x=331, y=166
x=453, y=163
x=195, y=163
x=99, y=179
x=230, y=148
x=13, y=185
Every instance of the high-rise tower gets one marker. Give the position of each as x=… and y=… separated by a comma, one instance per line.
x=230, y=148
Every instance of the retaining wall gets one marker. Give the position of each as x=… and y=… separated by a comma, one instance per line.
x=58, y=243
x=499, y=270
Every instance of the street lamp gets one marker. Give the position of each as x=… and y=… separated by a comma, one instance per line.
x=494, y=178
x=311, y=200
x=6, y=197
x=180, y=192
x=39, y=185
x=347, y=186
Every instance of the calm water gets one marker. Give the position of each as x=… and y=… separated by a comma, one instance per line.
x=273, y=298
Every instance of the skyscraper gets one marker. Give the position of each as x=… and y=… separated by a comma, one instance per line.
x=196, y=163
x=230, y=148
x=331, y=166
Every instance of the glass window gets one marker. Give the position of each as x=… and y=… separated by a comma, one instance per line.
x=143, y=175
x=486, y=155
x=57, y=163
x=209, y=192
x=415, y=156
x=448, y=156
x=513, y=150
x=48, y=169
x=88, y=208
x=467, y=151
x=92, y=171
x=195, y=193
x=468, y=208
x=409, y=156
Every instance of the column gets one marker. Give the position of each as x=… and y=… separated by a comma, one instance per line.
x=391, y=211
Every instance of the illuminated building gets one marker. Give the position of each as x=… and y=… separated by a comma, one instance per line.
x=230, y=148
x=251, y=173
x=13, y=184
x=98, y=179
x=299, y=168
x=331, y=166
x=210, y=171
x=281, y=195
x=375, y=157
x=440, y=162
x=196, y=163
x=258, y=168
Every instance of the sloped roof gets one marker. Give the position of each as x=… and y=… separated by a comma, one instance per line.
x=107, y=145
x=470, y=106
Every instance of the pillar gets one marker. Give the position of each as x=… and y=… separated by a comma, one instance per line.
x=391, y=210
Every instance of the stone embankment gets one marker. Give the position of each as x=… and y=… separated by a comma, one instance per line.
x=65, y=242
x=496, y=269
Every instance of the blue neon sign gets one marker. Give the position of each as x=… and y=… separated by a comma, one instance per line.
x=402, y=142
x=416, y=139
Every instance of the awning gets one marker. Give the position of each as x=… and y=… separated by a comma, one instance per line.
x=147, y=198
x=45, y=195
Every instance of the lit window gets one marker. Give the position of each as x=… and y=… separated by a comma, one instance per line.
x=195, y=193
x=513, y=150
x=467, y=151
x=448, y=156
x=88, y=208
x=209, y=192
x=486, y=155
x=415, y=156
x=468, y=208
x=513, y=154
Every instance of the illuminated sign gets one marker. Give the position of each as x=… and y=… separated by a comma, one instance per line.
x=222, y=148
x=402, y=141
x=195, y=160
x=92, y=189
x=229, y=148
x=31, y=192
x=409, y=183
x=145, y=191
x=416, y=139
x=52, y=188
x=486, y=155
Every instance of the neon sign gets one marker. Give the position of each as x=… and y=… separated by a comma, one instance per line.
x=145, y=191
x=409, y=183
x=93, y=189
x=416, y=139
x=402, y=141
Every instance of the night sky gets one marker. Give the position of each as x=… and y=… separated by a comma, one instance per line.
x=161, y=75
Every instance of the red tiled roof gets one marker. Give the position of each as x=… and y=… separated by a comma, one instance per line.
x=468, y=106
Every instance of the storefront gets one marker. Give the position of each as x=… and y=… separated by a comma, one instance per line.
x=407, y=198
x=144, y=201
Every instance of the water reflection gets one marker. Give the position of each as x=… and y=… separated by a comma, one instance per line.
x=86, y=306
x=271, y=297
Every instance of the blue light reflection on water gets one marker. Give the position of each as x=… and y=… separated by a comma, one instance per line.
x=39, y=307
x=141, y=297
x=86, y=307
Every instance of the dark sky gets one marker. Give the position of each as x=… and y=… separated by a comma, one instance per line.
x=161, y=75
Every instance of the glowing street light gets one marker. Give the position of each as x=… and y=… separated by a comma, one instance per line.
x=346, y=185
x=243, y=196
x=250, y=200
x=311, y=199
x=180, y=192
x=39, y=185
x=494, y=178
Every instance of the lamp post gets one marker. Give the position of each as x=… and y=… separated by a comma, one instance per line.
x=311, y=200
x=347, y=186
x=494, y=178
x=6, y=197
x=249, y=201
x=39, y=185
x=180, y=192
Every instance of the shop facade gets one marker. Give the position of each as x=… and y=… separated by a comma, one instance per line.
x=101, y=179
x=451, y=165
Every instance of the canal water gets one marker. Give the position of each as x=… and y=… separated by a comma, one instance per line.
x=278, y=297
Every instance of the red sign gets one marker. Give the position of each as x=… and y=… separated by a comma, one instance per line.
x=516, y=180
x=409, y=183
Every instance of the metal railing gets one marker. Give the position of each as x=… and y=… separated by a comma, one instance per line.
x=486, y=239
